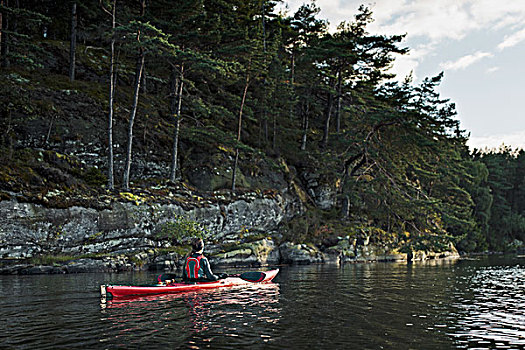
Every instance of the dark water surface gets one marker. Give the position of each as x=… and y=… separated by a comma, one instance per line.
x=435, y=305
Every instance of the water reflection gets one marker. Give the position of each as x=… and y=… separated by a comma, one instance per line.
x=196, y=319
x=432, y=305
x=365, y=306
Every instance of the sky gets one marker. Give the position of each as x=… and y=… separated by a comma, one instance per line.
x=478, y=44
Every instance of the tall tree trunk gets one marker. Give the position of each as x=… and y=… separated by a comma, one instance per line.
x=236, y=161
x=144, y=78
x=339, y=98
x=292, y=88
x=1, y=22
x=264, y=114
x=345, y=207
x=263, y=20
x=111, y=176
x=48, y=135
x=73, y=42
x=142, y=8
x=265, y=124
x=5, y=38
x=177, y=101
x=6, y=136
x=138, y=78
x=274, y=132
x=306, y=110
x=328, y=116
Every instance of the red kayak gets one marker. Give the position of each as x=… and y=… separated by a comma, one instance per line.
x=110, y=291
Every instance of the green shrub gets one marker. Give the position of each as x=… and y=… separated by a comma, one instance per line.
x=181, y=230
x=94, y=177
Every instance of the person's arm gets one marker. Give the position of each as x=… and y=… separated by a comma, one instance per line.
x=207, y=270
x=184, y=275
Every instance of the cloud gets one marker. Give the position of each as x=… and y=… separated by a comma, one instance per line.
x=435, y=20
x=499, y=14
x=408, y=63
x=432, y=22
x=445, y=19
x=514, y=140
x=512, y=40
x=492, y=70
x=465, y=61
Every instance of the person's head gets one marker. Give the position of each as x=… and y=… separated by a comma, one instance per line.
x=197, y=245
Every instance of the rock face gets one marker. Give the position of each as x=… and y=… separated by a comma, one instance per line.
x=300, y=254
x=323, y=195
x=257, y=253
x=125, y=236
x=127, y=231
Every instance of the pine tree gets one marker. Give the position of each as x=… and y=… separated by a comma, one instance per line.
x=112, y=13
x=73, y=42
x=19, y=26
x=143, y=38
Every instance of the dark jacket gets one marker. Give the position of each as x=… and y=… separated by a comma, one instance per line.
x=205, y=273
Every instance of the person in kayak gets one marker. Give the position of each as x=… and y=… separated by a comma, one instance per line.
x=197, y=267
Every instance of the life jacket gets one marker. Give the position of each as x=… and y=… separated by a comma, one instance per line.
x=193, y=265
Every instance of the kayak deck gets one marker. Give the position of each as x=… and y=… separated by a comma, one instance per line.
x=113, y=291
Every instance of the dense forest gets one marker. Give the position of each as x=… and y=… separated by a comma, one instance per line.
x=240, y=88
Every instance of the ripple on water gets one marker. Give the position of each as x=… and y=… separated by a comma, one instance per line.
x=368, y=306
x=494, y=315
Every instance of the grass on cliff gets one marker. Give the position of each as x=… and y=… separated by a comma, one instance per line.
x=53, y=259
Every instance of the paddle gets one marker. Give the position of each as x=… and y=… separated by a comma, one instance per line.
x=251, y=276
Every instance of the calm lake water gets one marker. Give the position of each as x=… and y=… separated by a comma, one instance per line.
x=478, y=303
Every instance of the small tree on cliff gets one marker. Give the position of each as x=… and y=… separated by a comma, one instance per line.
x=112, y=12
x=142, y=38
x=247, y=49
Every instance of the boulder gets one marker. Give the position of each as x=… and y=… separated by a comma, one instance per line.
x=258, y=253
x=300, y=254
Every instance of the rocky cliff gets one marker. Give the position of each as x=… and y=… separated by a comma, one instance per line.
x=240, y=231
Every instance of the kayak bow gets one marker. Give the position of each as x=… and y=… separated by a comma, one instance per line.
x=113, y=291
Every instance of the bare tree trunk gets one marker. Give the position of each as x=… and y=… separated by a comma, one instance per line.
x=1, y=20
x=236, y=161
x=328, y=116
x=9, y=139
x=73, y=42
x=6, y=138
x=263, y=19
x=305, y=127
x=339, y=98
x=274, y=132
x=111, y=176
x=176, y=113
x=134, y=106
x=265, y=126
x=5, y=39
x=264, y=114
x=48, y=135
x=292, y=88
x=138, y=78
x=274, y=128
x=345, y=207
x=259, y=137
x=144, y=78
x=142, y=7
